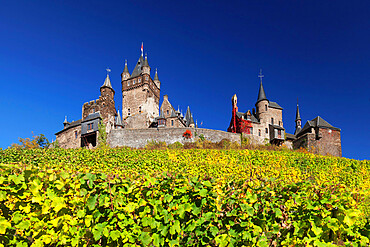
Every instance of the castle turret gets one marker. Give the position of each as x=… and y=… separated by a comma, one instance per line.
x=156, y=79
x=125, y=74
x=262, y=101
x=106, y=90
x=65, y=123
x=298, y=122
x=146, y=67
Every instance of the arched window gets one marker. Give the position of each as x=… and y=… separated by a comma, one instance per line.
x=259, y=132
x=139, y=109
x=266, y=130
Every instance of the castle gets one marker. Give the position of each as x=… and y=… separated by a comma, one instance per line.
x=140, y=109
x=143, y=120
x=265, y=125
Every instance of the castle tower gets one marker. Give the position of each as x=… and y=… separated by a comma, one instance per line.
x=107, y=107
x=140, y=96
x=298, y=122
x=156, y=79
x=146, y=67
x=125, y=74
x=262, y=102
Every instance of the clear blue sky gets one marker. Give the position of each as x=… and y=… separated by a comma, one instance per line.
x=53, y=56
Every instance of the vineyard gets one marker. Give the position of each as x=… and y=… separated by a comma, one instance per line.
x=195, y=197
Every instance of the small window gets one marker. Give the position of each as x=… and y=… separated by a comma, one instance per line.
x=124, y=76
x=92, y=125
x=266, y=130
x=133, y=82
x=279, y=132
x=139, y=109
x=279, y=123
x=128, y=83
x=146, y=78
x=168, y=112
x=171, y=122
x=272, y=121
x=251, y=130
x=128, y=112
x=139, y=80
x=259, y=132
x=76, y=134
x=265, y=107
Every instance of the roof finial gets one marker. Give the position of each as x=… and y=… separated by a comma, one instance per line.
x=261, y=75
x=125, y=61
x=65, y=120
x=108, y=70
x=142, y=48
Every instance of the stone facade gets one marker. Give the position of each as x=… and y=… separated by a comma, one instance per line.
x=325, y=142
x=70, y=137
x=138, y=138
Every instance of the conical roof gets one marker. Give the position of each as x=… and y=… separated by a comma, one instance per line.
x=126, y=68
x=187, y=114
x=118, y=120
x=107, y=82
x=137, y=70
x=173, y=113
x=191, y=121
x=156, y=75
x=146, y=61
x=297, y=115
x=261, y=94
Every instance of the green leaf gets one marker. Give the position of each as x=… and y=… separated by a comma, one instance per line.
x=214, y=230
x=115, y=235
x=91, y=202
x=207, y=183
x=2, y=195
x=156, y=239
x=88, y=219
x=203, y=192
x=4, y=224
x=24, y=225
x=145, y=238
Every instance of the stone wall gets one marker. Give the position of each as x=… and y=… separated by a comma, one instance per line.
x=67, y=139
x=138, y=138
x=329, y=142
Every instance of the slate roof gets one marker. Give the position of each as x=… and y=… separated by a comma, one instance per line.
x=71, y=125
x=137, y=69
x=146, y=63
x=261, y=94
x=275, y=105
x=107, y=82
x=126, y=68
x=297, y=115
x=253, y=118
x=277, y=127
x=290, y=136
x=119, y=120
x=316, y=122
x=173, y=113
x=156, y=75
x=92, y=116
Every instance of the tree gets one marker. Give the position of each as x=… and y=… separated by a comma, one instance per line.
x=37, y=141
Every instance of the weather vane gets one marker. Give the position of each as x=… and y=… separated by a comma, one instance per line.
x=261, y=75
x=108, y=70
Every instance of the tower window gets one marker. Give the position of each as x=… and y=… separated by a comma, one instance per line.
x=128, y=83
x=133, y=82
x=171, y=122
x=128, y=112
x=146, y=78
x=259, y=132
x=265, y=107
x=266, y=130
x=139, y=80
x=124, y=76
x=272, y=121
x=279, y=123
x=168, y=112
x=139, y=109
x=76, y=134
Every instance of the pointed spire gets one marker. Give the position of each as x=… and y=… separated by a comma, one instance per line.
x=107, y=80
x=187, y=115
x=146, y=60
x=118, y=119
x=156, y=75
x=65, y=120
x=297, y=115
x=261, y=93
x=126, y=68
